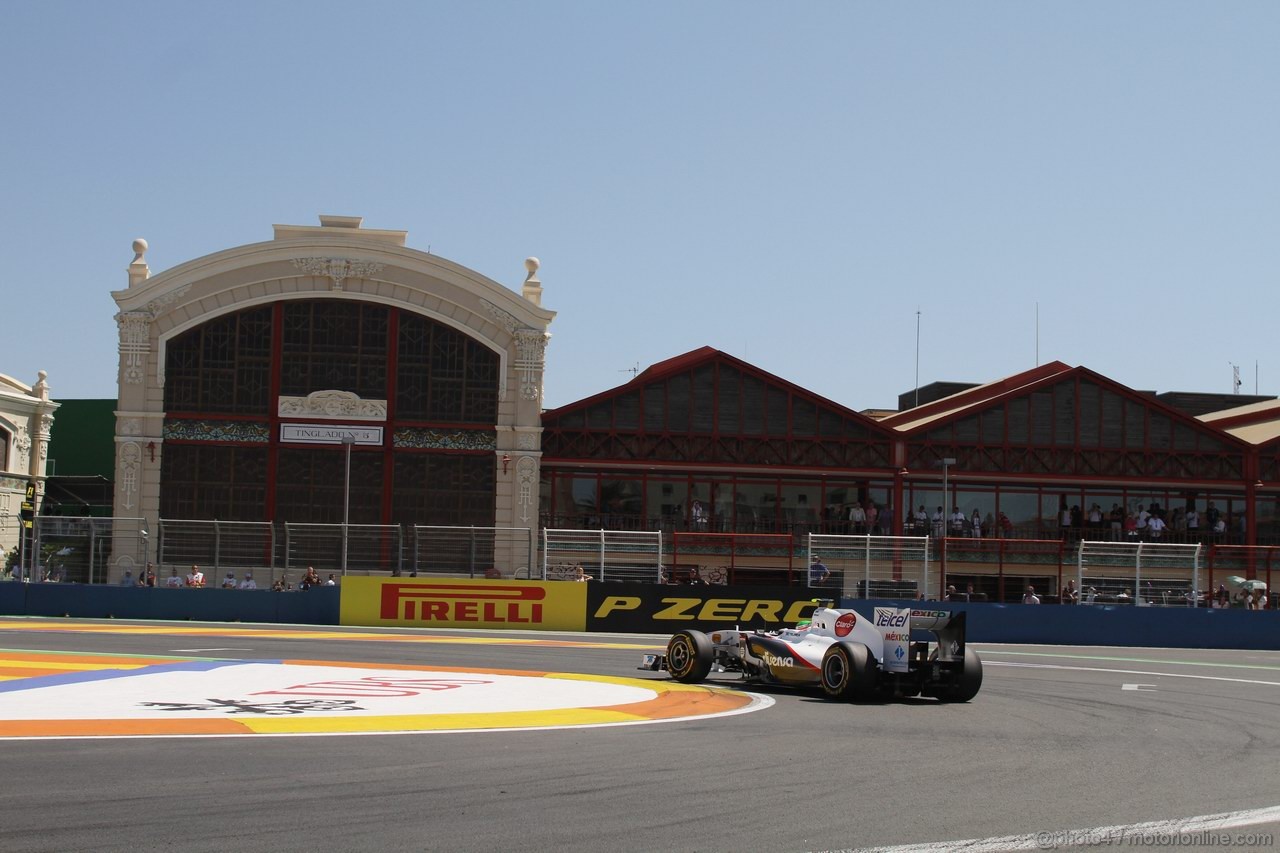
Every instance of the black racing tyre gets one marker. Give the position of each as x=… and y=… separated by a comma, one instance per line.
x=689, y=656
x=969, y=682
x=848, y=671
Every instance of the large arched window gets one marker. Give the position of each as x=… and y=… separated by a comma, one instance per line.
x=225, y=456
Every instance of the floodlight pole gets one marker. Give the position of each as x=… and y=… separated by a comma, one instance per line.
x=348, y=441
x=947, y=462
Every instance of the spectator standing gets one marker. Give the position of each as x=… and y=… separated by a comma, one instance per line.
x=248, y=582
x=1070, y=595
x=818, y=573
x=310, y=579
x=173, y=581
x=1155, y=527
x=957, y=521
x=332, y=581
x=873, y=518
x=975, y=525
x=1030, y=597
x=1116, y=517
x=858, y=518
x=127, y=580
x=149, y=579
x=938, y=523
x=922, y=522
x=195, y=578
x=1193, y=522
x=229, y=582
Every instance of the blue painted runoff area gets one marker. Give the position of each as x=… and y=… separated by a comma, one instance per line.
x=318, y=606
x=1103, y=625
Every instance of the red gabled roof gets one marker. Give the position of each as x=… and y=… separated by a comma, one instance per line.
x=695, y=358
x=986, y=396
x=908, y=420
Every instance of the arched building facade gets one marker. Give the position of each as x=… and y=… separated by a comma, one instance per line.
x=252, y=380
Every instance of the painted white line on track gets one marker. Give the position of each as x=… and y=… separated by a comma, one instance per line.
x=216, y=649
x=1128, y=672
x=1163, y=833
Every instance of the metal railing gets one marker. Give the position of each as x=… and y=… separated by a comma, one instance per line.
x=343, y=548
x=475, y=552
x=1141, y=573
x=872, y=566
x=85, y=549
x=603, y=555
x=217, y=545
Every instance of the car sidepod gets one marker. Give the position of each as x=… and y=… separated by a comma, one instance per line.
x=784, y=663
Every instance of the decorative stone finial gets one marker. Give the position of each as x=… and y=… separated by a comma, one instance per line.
x=139, y=250
x=532, y=289
x=41, y=389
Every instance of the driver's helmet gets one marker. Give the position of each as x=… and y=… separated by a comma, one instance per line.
x=803, y=625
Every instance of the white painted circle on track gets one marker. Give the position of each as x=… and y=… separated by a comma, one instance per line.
x=267, y=687
x=76, y=696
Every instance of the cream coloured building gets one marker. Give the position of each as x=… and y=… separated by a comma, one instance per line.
x=26, y=417
x=273, y=381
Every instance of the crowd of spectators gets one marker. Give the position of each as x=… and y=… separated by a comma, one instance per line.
x=195, y=579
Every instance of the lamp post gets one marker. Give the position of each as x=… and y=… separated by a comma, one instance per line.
x=947, y=462
x=348, y=441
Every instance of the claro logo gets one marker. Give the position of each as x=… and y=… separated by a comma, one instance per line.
x=710, y=609
x=418, y=602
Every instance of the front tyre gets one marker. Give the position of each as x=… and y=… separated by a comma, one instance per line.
x=689, y=656
x=848, y=671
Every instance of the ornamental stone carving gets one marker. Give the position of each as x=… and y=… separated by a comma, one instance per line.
x=502, y=318
x=526, y=441
x=135, y=344
x=22, y=443
x=333, y=405
x=527, y=482
x=337, y=270
x=130, y=471
x=531, y=347
x=131, y=426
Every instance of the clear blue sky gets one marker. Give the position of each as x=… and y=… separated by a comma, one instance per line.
x=789, y=182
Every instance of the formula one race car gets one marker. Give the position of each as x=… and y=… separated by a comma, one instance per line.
x=850, y=656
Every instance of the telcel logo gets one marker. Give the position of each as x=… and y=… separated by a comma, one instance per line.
x=457, y=603
x=889, y=619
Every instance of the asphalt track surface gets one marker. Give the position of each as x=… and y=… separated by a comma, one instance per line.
x=1060, y=741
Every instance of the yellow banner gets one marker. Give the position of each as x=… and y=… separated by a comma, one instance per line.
x=449, y=603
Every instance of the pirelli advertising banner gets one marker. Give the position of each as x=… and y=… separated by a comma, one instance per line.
x=662, y=609
x=449, y=603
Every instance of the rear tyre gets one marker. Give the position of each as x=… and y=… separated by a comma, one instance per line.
x=969, y=682
x=689, y=656
x=848, y=672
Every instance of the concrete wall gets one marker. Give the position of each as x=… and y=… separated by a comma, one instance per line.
x=302, y=607
x=987, y=623
x=1094, y=625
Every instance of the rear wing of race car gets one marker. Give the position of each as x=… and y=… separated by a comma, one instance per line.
x=948, y=627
